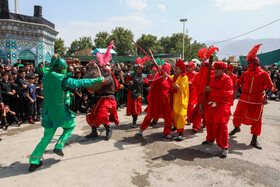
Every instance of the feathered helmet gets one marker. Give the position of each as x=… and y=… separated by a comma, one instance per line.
x=252, y=55
x=105, y=59
x=58, y=65
x=160, y=62
x=140, y=62
x=204, y=54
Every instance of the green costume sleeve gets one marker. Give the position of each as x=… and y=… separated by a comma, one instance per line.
x=76, y=83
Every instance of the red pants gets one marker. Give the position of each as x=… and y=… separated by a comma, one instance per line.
x=133, y=105
x=190, y=111
x=103, y=112
x=256, y=127
x=167, y=124
x=218, y=132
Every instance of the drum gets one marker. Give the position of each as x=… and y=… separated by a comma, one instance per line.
x=93, y=72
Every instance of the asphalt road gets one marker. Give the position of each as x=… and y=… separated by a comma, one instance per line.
x=151, y=160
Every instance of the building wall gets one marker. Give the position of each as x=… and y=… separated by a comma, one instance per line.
x=18, y=38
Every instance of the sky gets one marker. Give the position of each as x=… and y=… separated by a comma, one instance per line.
x=207, y=20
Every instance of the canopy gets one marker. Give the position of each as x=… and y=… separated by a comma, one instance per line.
x=268, y=58
x=103, y=50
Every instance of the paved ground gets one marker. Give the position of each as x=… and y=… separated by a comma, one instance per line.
x=129, y=160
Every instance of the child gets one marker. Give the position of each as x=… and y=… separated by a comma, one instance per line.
x=40, y=99
x=8, y=117
x=22, y=86
x=78, y=94
x=85, y=105
x=14, y=102
x=31, y=99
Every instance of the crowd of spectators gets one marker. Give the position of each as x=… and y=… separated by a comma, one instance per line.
x=21, y=89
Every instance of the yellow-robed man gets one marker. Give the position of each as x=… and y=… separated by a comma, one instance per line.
x=179, y=97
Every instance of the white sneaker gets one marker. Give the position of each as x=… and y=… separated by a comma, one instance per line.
x=169, y=136
x=140, y=132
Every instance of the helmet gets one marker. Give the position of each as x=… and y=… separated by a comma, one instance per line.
x=58, y=65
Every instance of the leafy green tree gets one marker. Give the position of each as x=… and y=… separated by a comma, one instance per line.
x=82, y=43
x=102, y=40
x=149, y=42
x=73, y=47
x=123, y=41
x=59, y=47
x=85, y=43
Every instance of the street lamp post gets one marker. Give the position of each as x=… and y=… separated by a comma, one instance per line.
x=183, y=20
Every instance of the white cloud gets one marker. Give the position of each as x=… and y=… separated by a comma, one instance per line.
x=76, y=29
x=162, y=7
x=136, y=4
x=236, y=5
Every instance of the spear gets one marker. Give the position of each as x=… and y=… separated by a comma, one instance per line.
x=158, y=68
x=170, y=66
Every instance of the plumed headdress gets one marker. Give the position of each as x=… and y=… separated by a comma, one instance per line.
x=105, y=59
x=252, y=55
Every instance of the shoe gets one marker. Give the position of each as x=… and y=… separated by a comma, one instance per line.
x=108, y=132
x=133, y=125
x=169, y=136
x=58, y=152
x=153, y=123
x=180, y=137
x=234, y=131
x=19, y=124
x=93, y=133
x=256, y=144
x=140, y=132
x=33, y=167
x=223, y=153
x=173, y=129
x=6, y=126
x=31, y=121
x=188, y=123
x=206, y=142
x=195, y=130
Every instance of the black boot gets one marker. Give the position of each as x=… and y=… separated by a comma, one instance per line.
x=32, y=167
x=153, y=124
x=133, y=125
x=108, y=132
x=93, y=133
x=58, y=152
x=255, y=142
x=234, y=131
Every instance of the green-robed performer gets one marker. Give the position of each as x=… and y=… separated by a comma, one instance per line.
x=56, y=112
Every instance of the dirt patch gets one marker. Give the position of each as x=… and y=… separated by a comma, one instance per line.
x=141, y=180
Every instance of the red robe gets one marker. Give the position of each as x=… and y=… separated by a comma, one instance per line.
x=199, y=82
x=234, y=78
x=253, y=86
x=159, y=106
x=192, y=94
x=133, y=106
x=217, y=110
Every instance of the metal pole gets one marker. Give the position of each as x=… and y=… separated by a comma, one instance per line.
x=183, y=39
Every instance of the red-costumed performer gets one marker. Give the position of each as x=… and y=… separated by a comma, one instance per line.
x=249, y=108
x=149, y=81
x=199, y=83
x=192, y=90
x=105, y=110
x=135, y=82
x=230, y=73
x=159, y=106
x=217, y=108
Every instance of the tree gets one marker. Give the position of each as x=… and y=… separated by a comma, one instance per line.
x=59, y=47
x=123, y=41
x=85, y=43
x=73, y=47
x=82, y=43
x=149, y=42
x=102, y=40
